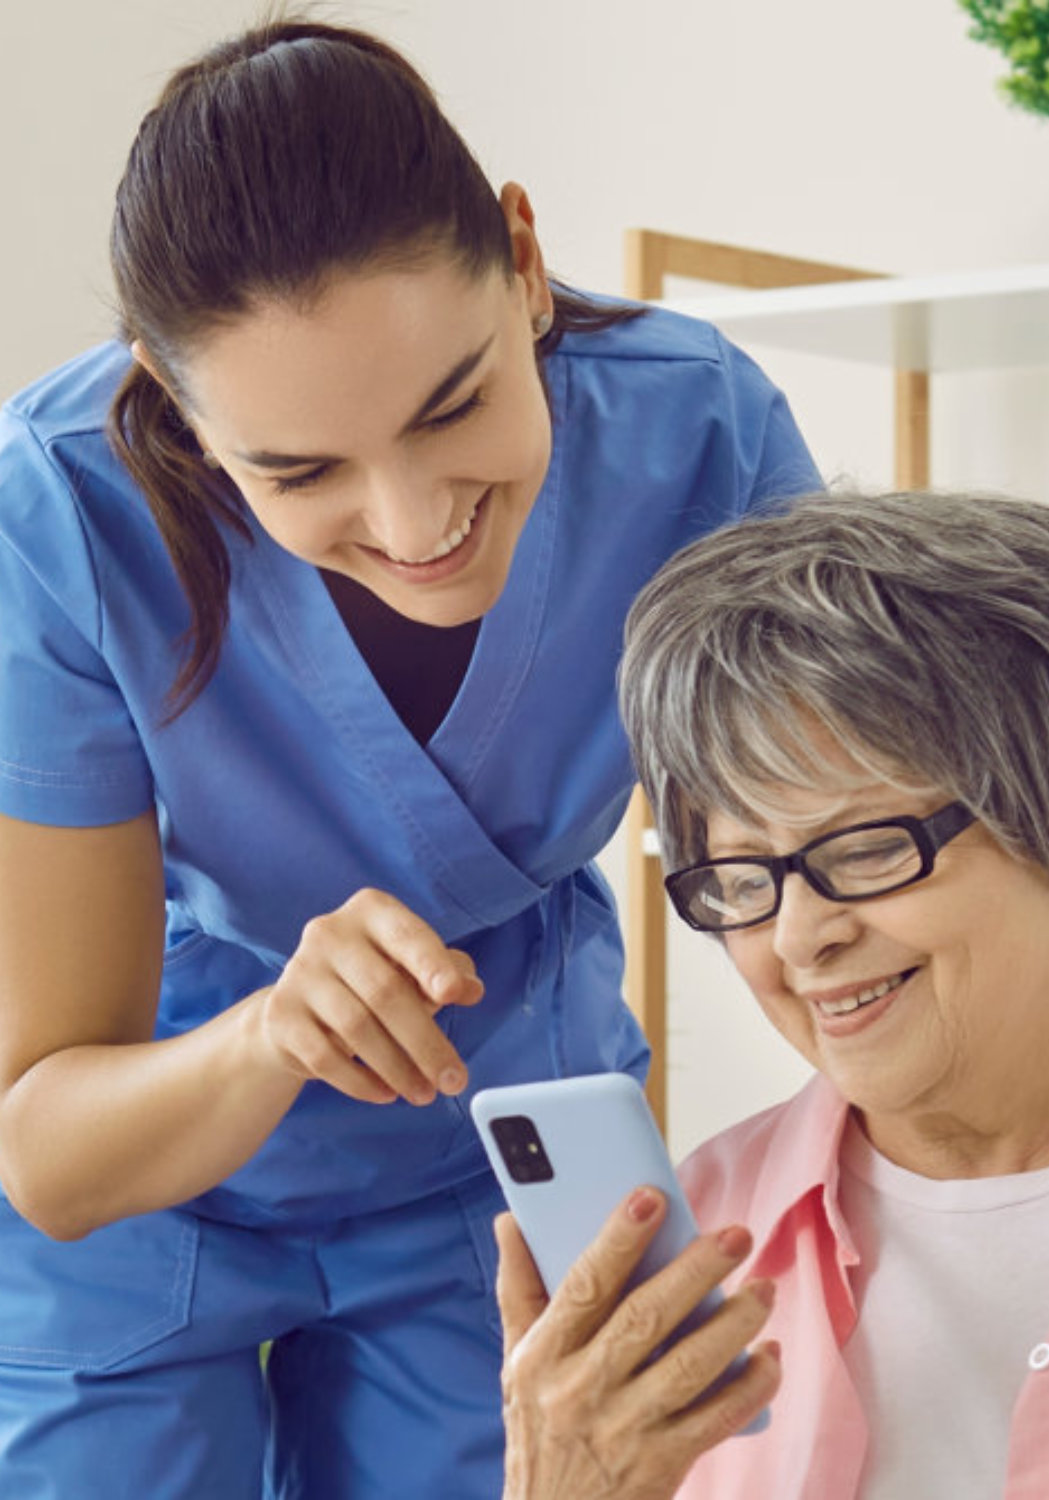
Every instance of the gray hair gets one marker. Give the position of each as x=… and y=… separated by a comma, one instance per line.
x=913, y=627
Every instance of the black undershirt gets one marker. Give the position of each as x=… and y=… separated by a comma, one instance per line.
x=420, y=668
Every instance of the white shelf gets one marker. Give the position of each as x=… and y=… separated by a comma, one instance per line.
x=966, y=320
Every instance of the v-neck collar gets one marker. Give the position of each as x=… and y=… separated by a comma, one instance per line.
x=426, y=786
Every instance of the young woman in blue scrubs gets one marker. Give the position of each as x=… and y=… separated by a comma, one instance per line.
x=311, y=595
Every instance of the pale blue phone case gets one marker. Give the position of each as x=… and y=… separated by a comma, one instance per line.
x=601, y=1142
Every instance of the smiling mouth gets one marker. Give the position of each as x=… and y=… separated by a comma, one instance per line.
x=845, y=1004
x=448, y=544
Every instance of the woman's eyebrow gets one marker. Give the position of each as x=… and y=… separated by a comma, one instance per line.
x=741, y=848
x=266, y=458
x=263, y=458
x=455, y=377
x=840, y=821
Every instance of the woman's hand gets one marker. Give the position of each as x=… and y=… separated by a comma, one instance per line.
x=356, y=1002
x=585, y=1418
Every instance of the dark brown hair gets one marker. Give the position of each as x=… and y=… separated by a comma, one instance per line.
x=275, y=158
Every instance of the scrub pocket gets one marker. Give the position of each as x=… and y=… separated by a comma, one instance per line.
x=91, y=1304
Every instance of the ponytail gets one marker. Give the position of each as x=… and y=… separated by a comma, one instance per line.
x=189, y=503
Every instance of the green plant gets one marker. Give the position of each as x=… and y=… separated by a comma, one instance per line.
x=1020, y=29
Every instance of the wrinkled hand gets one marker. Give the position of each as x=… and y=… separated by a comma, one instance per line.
x=356, y=1002
x=583, y=1421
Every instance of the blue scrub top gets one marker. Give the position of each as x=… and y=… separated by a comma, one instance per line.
x=291, y=782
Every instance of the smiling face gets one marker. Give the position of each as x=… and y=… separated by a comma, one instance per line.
x=394, y=430
x=928, y=1008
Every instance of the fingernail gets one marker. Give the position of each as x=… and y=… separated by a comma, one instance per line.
x=641, y=1205
x=734, y=1241
x=775, y=1348
x=764, y=1290
x=451, y=1081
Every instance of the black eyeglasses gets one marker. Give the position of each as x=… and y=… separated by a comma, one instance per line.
x=851, y=864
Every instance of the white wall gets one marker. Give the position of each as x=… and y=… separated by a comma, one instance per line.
x=869, y=135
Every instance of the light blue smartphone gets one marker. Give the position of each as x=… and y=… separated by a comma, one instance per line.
x=566, y=1152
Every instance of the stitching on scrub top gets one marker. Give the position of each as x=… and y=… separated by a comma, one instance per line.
x=30, y=776
x=529, y=637
x=66, y=483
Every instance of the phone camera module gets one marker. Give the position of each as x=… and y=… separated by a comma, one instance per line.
x=522, y=1149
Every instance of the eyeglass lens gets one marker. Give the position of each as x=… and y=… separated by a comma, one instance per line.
x=853, y=864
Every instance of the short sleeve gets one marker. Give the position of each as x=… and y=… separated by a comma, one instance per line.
x=69, y=751
x=772, y=457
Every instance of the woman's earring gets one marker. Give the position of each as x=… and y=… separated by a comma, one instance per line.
x=210, y=460
x=542, y=325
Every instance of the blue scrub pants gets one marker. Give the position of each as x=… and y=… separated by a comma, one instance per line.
x=129, y=1361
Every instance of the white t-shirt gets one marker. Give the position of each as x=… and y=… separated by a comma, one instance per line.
x=953, y=1295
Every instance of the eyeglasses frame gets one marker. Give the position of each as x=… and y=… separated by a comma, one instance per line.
x=929, y=835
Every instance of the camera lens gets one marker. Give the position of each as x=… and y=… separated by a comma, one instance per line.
x=522, y=1150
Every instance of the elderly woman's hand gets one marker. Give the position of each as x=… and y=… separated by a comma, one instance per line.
x=586, y=1418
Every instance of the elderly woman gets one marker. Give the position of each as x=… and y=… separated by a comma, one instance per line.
x=840, y=713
